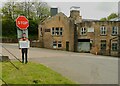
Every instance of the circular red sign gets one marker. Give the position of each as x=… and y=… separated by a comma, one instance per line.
x=22, y=22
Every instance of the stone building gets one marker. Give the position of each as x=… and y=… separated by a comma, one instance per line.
x=79, y=35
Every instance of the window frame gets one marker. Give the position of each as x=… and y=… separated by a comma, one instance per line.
x=60, y=31
x=115, y=46
x=103, y=30
x=54, y=43
x=103, y=44
x=53, y=31
x=59, y=43
x=83, y=31
x=115, y=31
x=57, y=31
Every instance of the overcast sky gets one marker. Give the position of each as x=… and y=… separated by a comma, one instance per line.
x=91, y=10
x=88, y=10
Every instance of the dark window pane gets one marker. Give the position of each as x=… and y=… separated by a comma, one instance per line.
x=60, y=29
x=60, y=33
x=59, y=45
x=47, y=30
x=103, y=44
x=53, y=29
x=57, y=29
x=114, y=46
x=114, y=30
x=41, y=29
x=52, y=33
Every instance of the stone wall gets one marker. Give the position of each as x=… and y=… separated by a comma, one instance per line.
x=8, y=40
x=60, y=20
x=97, y=37
x=47, y=38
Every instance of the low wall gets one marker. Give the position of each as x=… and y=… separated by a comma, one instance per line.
x=114, y=53
x=8, y=40
x=36, y=44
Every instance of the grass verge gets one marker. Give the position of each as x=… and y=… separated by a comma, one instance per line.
x=31, y=73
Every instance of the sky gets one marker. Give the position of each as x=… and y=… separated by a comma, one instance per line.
x=88, y=10
x=94, y=9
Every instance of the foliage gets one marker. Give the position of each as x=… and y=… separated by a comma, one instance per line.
x=8, y=27
x=103, y=19
x=31, y=73
x=33, y=28
x=34, y=11
x=111, y=16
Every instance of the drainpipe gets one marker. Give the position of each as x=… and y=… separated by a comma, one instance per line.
x=75, y=38
x=119, y=42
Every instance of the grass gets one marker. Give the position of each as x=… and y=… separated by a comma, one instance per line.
x=31, y=73
x=0, y=73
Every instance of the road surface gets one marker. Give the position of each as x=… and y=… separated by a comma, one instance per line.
x=83, y=68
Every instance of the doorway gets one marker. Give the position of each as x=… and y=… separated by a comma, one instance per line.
x=67, y=46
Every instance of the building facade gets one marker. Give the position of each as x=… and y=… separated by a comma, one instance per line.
x=79, y=35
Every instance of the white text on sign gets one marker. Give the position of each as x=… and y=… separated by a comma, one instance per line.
x=22, y=22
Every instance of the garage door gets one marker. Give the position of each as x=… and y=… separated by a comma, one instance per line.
x=83, y=45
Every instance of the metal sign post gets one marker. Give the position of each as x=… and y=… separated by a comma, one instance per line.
x=22, y=34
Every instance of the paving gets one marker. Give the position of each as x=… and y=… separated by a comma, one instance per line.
x=83, y=68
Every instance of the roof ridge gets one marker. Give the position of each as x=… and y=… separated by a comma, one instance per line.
x=49, y=18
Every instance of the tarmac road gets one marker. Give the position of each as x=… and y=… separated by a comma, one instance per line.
x=83, y=68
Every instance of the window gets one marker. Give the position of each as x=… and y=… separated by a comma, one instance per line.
x=47, y=30
x=57, y=31
x=114, y=30
x=59, y=44
x=54, y=44
x=83, y=31
x=114, y=46
x=103, y=30
x=103, y=44
x=53, y=31
x=61, y=30
x=41, y=29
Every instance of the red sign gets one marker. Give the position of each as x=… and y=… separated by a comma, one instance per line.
x=22, y=22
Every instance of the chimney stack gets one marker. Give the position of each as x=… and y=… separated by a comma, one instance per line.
x=53, y=11
x=75, y=14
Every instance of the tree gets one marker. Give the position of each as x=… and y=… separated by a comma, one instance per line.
x=8, y=28
x=34, y=11
x=33, y=28
x=112, y=15
x=103, y=19
x=42, y=10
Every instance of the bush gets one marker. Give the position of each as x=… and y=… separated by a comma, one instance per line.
x=9, y=28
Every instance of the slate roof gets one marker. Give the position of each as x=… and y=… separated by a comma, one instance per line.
x=89, y=20
x=115, y=19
